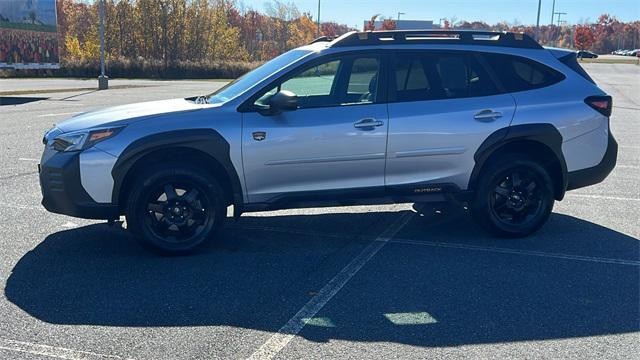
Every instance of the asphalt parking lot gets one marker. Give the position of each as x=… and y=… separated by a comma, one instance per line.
x=379, y=282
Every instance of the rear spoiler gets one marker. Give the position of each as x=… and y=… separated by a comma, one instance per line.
x=559, y=52
x=570, y=59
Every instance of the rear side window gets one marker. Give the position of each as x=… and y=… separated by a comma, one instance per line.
x=435, y=76
x=520, y=74
x=571, y=61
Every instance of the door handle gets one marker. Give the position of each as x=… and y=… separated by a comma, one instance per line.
x=487, y=115
x=368, y=123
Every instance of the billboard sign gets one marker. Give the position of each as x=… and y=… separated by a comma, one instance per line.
x=28, y=34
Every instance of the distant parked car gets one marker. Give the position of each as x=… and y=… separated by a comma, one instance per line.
x=633, y=52
x=583, y=54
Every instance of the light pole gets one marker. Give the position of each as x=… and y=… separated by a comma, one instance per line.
x=553, y=11
x=538, y=21
x=103, y=80
x=560, y=15
x=318, y=30
x=400, y=13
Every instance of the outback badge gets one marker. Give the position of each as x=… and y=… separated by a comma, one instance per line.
x=259, y=135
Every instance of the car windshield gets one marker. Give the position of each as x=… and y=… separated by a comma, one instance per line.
x=248, y=80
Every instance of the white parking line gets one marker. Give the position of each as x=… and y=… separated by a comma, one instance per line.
x=23, y=207
x=59, y=114
x=279, y=340
x=603, y=197
x=517, y=252
x=456, y=246
x=51, y=351
x=28, y=159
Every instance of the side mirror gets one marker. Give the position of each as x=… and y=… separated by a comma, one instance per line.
x=283, y=101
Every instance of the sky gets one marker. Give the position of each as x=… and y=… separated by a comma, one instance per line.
x=354, y=12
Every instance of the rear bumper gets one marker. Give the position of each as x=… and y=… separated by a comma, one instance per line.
x=62, y=191
x=596, y=174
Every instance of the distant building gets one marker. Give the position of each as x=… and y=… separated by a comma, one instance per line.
x=407, y=24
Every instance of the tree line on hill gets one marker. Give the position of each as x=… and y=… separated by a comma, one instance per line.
x=223, y=39
x=174, y=32
x=603, y=36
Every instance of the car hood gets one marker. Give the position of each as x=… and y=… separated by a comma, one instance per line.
x=125, y=114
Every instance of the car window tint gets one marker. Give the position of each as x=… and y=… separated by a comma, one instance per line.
x=433, y=76
x=452, y=71
x=349, y=80
x=520, y=74
x=316, y=81
x=314, y=86
x=417, y=78
x=363, y=81
x=479, y=81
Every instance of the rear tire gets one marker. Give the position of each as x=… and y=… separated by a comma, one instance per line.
x=174, y=208
x=514, y=197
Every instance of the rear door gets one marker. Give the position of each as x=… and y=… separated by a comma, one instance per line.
x=443, y=105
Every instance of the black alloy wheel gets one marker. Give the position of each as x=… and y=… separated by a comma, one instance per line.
x=514, y=196
x=177, y=212
x=174, y=208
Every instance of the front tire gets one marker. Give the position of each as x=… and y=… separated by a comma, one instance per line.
x=514, y=197
x=174, y=208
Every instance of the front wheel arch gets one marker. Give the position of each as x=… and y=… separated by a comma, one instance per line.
x=202, y=147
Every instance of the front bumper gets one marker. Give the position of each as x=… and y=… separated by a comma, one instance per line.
x=62, y=191
x=594, y=175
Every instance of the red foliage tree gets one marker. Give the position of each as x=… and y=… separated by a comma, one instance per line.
x=371, y=24
x=333, y=29
x=388, y=24
x=583, y=37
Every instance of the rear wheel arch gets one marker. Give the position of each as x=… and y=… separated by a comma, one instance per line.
x=541, y=143
x=201, y=148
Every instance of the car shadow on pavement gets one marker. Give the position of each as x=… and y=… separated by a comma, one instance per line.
x=18, y=100
x=266, y=267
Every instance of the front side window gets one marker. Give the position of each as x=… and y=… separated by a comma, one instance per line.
x=436, y=76
x=338, y=81
x=248, y=80
x=314, y=86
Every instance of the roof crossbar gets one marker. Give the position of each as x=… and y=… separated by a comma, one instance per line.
x=466, y=37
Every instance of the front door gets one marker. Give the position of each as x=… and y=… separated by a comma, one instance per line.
x=334, y=142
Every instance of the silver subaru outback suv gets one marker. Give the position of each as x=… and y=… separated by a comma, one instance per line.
x=491, y=119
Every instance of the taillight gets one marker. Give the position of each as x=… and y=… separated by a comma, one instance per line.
x=601, y=104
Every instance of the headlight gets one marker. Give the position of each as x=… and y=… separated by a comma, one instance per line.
x=80, y=140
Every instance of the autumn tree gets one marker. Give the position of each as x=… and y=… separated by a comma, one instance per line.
x=301, y=31
x=169, y=32
x=333, y=29
x=388, y=24
x=371, y=24
x=583, y=37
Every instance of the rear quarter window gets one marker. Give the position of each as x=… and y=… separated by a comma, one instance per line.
x=521, y=74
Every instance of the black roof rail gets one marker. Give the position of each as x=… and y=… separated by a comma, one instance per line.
x=465, y=37
x=321, y=39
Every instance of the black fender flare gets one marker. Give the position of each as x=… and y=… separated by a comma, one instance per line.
x=207, y=141
x=543, y=133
